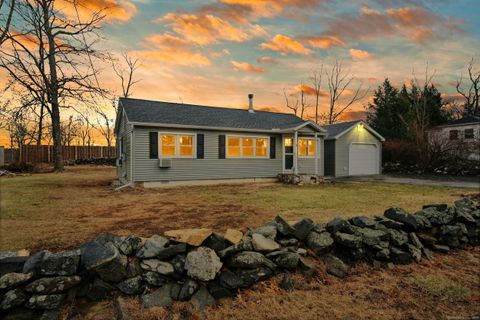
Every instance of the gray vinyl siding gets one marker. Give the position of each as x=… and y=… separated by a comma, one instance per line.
x=123, y=169
x=329, y=158
x=307, y=165
x=209, y=168
x=342, y=148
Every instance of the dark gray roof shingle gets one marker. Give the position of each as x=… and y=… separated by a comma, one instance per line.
x=464, y=120
x=146, y=111
x=337, y=128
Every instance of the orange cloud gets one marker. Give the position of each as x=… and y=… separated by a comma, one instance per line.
x=271, y=8
x=267, y=60
x=207, y=29
x=285, y=45
x=308, y=90
x=359, y=54
x=324, y=42
x=173, y=50
x=247, y=67
x=114, y=10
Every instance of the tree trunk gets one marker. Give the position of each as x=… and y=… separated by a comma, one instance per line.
x=40, y=126
x=57, y=139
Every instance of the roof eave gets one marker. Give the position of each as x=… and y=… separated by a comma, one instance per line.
x=372, y=131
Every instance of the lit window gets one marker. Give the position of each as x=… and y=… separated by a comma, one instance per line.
x=186, y=146
x=261, y=147
x=306, y=147
x=168, y=145
x=176, y=145
x=247, y=147
x=233, y=149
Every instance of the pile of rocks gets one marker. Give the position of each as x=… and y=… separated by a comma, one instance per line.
x=201, y=266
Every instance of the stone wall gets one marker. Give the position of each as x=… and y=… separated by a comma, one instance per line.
x=201, y=266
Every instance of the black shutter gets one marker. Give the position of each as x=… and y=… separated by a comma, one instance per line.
x=272, y=147
x=153, y=143
x=200, y=146
x=221, y=146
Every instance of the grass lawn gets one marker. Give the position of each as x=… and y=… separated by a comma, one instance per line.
x=59, y=211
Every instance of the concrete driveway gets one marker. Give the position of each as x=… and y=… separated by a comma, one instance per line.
x=455, y=182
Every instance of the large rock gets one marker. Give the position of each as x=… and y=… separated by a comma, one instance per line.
x=178, y=263
x=95, y=254
x=451, y=235
x=187, y=290
x=413, y=222
x=131, y=286
x=437, y=217
x=99, y=290
x=193, y=237
x=284, y=259
x=12, y=265
x=216, y=242
x=62, y=264
x=116, y=269
x=302, y=228
x=250, y=260
x=320, y=243
x=463, y=215
x=11, y=280
x=203, y=264
x=230, y=280
x=251, y=276
x=348, y=240
x=171, y=251
x=52, y=301
x=202, y=298
x=233, y=236
x=439, y=207
x=152, y=246
x=389, y=223
x=335, y=266
x=158, y=266
x=158, y=298
x=398, y=237
x=337, y=224
x=217, y=291
x=372, y=237
x=52, y=285
x=283, y=226
x=399, y=256
x=268, y=231
x=13, y=298
x=260, y=243
x=244, y=245
x=130, y=245
x=363, y=222
x=154, y=279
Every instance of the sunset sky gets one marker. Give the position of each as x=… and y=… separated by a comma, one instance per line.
x=215, y=52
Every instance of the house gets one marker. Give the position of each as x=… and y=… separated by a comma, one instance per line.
x=352, y=148
x=461, y=137
x=173, y=143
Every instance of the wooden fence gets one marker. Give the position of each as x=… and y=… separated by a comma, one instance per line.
x=35, y=154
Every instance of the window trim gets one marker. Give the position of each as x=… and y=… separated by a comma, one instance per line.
x=267, y=153
x=314, y=151
x=457, y=134
x=177, y=145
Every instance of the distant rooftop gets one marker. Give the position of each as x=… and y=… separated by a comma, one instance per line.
x=146, y=111
x=464, y=120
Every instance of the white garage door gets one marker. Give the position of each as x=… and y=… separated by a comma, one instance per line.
x=363, y=159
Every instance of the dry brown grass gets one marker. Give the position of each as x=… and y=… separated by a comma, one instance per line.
x=58, y=211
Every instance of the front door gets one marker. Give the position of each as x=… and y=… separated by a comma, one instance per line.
x=288, y=153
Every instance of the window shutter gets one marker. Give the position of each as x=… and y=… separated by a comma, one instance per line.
x=272, y=147
x=200, y=146
x=153, y=143
x=221, y=146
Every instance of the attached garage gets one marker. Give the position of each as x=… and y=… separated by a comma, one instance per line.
x=352, y=149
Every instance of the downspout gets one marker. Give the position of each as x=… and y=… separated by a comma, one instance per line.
x=316, y=154
x=131, y=183
x=295, y=153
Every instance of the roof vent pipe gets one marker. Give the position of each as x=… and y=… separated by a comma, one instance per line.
x=250, y=103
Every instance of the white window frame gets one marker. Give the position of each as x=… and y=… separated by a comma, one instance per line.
x=315, y=148
x=177, y=144
x=267, y=154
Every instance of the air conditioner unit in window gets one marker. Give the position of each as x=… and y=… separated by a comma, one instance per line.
x=164, y=163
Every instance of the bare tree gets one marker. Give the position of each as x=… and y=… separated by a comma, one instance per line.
x=471, y=92
x=338, y=82
x=69, y=131
x=5, y=23
x=50, y=55
x=125, y=72
x=291, y=101
x=317, y=84
x=84, y=130
x=105, y=125
x=304, y=104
